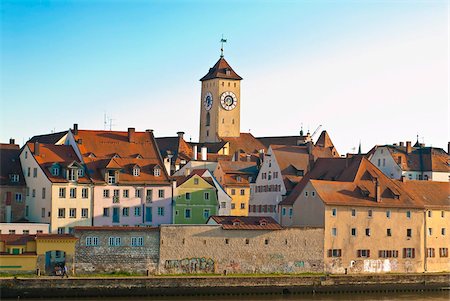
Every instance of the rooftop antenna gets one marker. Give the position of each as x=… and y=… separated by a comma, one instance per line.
x=105, y=121
x=221, y=49
x=111, y=123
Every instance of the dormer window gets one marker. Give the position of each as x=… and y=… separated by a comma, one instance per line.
x=72, y=174
x=55, y=170
x=300, y=173
x=14, y=177
x=236, y=222
x=136, y=171
x=111, y=177
x=263, y=222
x=238, y=178
x=116, y=156
x=80, y=172
x=157, y=171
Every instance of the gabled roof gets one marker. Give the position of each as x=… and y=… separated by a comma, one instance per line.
x=238, y=173
x=180, y=180
x=246, y=143
x=219, y=70
x=245, y=222
x=52, y=138
x=49, y=154
x=324, y=140
x=10, y=164
x=280, y=140
x=434, y=195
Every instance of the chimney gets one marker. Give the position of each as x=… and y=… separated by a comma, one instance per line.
x=377, y=191
x=401, y=143
x=80, y=141
x=408, y=147
x=236, y=156
x=195, y=151
x=310, y=147
x=75, y=128
x=180, y=134
x=12, y=141
x=403, y=178
x=204, y=151
x=131, y=134
x=36, y=148
x=248, y=158
x=261, y=155
x=149, y=131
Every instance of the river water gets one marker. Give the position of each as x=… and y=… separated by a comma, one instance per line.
x=410, y=296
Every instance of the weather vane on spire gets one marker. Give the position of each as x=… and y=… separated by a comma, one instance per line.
x=221, y=49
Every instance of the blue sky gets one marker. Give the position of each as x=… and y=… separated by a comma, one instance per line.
x=375, y=71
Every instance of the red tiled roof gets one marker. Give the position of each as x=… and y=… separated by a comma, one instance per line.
x=10, y=164
x=434, y=195
x=219, y=70
x=49, y=154
x=246, y=143
x=16, y=239
x=113, y=228
x=246, y=222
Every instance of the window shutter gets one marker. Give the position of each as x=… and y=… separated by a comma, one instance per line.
x=379, y=253
x=368, y=253
x=359, y=253
x=413, y=252
x=404, y=252
x=329, y=253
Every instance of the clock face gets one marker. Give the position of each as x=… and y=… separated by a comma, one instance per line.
x=228, y=100
x=208, y=101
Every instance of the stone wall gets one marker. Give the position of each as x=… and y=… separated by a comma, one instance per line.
x=124, y=258
x=210, y=249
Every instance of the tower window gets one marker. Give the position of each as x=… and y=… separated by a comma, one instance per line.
x=229, y=84
x=207, y=133
x=223, y=84
x=233, y=121
x=208, y=119
x=235, y=85
x=223, y=120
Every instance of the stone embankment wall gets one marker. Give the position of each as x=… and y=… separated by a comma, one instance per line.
x=125, y=257
x=157, y=286
x=210, y=249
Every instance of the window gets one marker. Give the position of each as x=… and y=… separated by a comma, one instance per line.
x=84, y=193
x=137, y=211
x=369, y=213
x=195, y=181
x=116, y=192
x=388, y=213
x=283, y=211
x=233, y=191
x=84, y=212
x=363, y=253
x=73, y=193
x=187, y=213
x=28, y=191
x=333, y=231
x=206, y=195
x=306, y=193
x=106, y=193
x=408, y=214
x=430, y=231
x=161, y=211
x=55, y=171
x=157, y=172
x=379, y=162
x=387, y=253
x=137, y=193
x=206, y=213
x=43, y=192
x=161, y=193
x=61, y=230
x=208, y=119
x=430, y=213
x=313, y=193
x=430, y=252
x=136, y=171
x=353, y=231
x=384, y=162
x=35, y=172
x=125, y=211
x=27, y=211
x=12, y=231
x=334, y=253
x=72, y=212
x=137, y=241
x=18, y=197
x=80, y=172
x=42, y=212
x=28, y=172
x=223, y=205
x=443, y=212
x=290, y=211
x=188, y=195
x=367, y=231
x=443, y=231
x=408, y=233
x=26, y=232
x=114, y=241
x=443, y=252
x=242, y=205
x=242, y=191
x=233, y=206
x=33, y=192
x=126, y=193
x=111, y=177
x=149, y=195
x=105, y=211
x=333, y=212
x=408, y=252
x=266, y=241
x=388, y=232
x=91, y=241
x=61, y=212
x=353, y=212
x=71, y=174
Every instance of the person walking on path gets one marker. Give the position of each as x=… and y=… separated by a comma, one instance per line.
x=64, y=272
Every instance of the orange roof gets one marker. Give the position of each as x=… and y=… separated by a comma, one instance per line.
x=238, y=173
x=113, y=228
x=246, y=143
x=434, y=195
x=221, y=69
x=121, y=150
x=49, y=154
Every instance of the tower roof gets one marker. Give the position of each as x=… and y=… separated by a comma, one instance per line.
x=221, y=70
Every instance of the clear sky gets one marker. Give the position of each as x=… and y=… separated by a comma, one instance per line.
x=375, y=71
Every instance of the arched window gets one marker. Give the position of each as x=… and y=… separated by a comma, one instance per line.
x=208, y=119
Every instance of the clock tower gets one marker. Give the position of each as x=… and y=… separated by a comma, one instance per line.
x=220, y=105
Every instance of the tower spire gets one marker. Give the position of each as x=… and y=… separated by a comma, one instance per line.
x=221, y=49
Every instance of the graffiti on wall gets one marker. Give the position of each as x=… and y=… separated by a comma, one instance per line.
x=377, y=266
x=191, y=265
